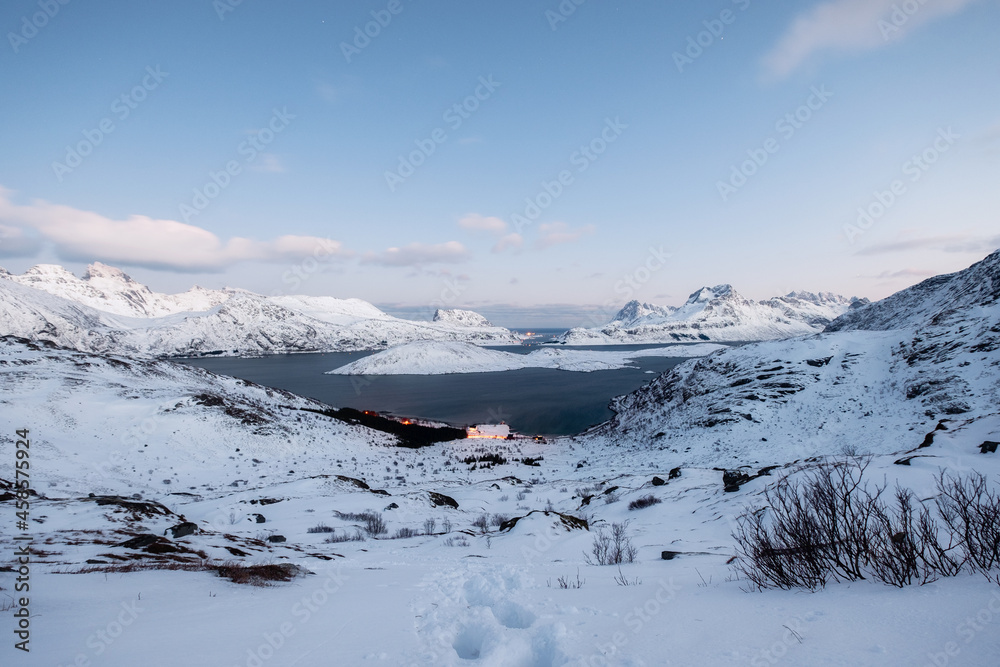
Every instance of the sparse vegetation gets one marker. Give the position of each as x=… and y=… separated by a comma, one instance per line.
x=373, y=522
x=482, y=522
x=429, y=526
x=644, y=502
x=404, y=533
x=459, y=541
x=831, y=525
x=257, y=575
x=338, y=538
x=567, y=583
x=320, y=528
x=612, y=548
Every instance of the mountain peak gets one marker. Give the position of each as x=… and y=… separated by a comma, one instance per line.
x=48, y=271
x=97, y=270
x=709, y=293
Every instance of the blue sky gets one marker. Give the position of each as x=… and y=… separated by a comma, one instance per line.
x=541, y=162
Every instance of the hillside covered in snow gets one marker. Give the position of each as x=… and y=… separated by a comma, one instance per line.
x=717, y=313
x=437, y=358
x=881, y=378
x=107, y=311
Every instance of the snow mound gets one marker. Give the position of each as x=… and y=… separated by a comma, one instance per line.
x=443, y=358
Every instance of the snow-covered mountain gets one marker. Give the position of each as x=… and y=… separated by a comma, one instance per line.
x=111, y=290
x=107, y=311
x=880, y=379
x=465, y=318
x=717, y=313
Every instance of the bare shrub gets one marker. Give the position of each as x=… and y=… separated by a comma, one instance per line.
x=612, y=548
x=256, y=575
x=498, y=519
x=429, y=526
x=832, y=526
x=567, y=583
x=971, y=512
x=482, y=522
x=338, y=538
x=375, y=525
x=644, y=502
x=320, y=528
x=403, y=533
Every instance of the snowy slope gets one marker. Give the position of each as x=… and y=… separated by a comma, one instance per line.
x=718, y=313
x=109, y=312
x=930, y=300
x=437, y=358
x=246, y=469
x=874, y=391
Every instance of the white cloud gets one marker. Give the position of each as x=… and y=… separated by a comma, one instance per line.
x=851, y=26
x=268, y=163
x=556, y=233
x=142, y=241
x=14, y=242
x=478, y=222
x=961, y=243
x=509, y=242
x=416, y=254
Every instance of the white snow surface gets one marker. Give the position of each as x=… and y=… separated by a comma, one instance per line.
x=106, y=311
x=452, y=593
x=437, y=358
x=716, y=314
x=448, y=595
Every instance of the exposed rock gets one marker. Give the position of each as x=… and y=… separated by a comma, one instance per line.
x=182, y=529
x=439, y=500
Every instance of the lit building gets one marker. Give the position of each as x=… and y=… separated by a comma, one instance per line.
x=493, y=431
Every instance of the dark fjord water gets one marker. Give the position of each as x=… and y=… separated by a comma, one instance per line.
x=534, y=401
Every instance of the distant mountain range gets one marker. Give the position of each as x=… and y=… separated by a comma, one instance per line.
x=717, y=313
x=106, y=311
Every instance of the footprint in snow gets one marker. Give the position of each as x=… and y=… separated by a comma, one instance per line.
x=474, y=619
